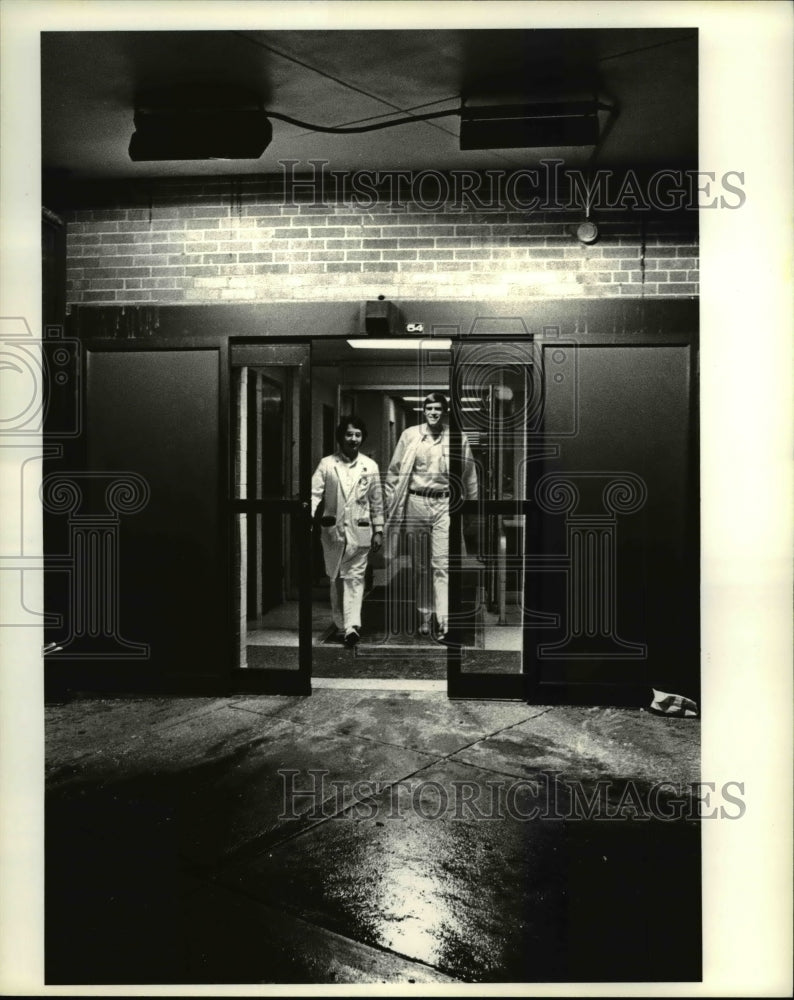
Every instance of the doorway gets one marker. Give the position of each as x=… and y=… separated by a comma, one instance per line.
x=384, y=385
x=574, y=575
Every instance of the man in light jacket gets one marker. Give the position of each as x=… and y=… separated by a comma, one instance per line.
x=418, y=489
x=351, y=523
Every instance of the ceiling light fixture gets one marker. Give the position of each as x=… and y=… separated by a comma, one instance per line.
x=528, y=126
x=435, y=343
x=199, y=123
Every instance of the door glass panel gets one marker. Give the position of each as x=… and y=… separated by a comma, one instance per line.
x=267, y=610
x=491, y=587
x=266, y=409
x=495, y=399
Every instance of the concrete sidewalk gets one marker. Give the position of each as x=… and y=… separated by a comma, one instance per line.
x=368, y=836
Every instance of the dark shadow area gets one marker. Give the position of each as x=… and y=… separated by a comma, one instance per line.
x=127, y=903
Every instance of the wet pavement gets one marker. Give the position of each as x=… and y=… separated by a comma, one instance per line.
x=368, y=836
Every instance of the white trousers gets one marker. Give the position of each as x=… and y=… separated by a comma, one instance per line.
x=427, y=531
x=347, y=589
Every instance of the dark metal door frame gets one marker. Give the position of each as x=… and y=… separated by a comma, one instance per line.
x=295, y=354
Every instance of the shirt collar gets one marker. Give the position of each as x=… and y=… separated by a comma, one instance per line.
x=341, y=457
x=426, y=432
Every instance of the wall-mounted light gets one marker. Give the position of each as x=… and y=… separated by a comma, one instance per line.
x=587, y=232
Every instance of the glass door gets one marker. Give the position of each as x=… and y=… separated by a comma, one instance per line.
x=493, y=401
x=271, y=527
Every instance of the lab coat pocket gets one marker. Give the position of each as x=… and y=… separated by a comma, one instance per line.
x=362, y=530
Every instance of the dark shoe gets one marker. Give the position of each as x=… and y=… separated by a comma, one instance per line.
x=440, y=635
x=352, y=637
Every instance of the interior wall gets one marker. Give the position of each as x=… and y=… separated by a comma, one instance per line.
x=369, y=406
x=323, y=393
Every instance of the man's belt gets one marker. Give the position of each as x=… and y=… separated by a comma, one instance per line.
x=328, y=522
x=436, y=494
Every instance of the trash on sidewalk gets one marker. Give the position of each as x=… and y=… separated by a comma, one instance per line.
x=673, y=704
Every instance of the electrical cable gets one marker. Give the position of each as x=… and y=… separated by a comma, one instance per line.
x=647, y=48
x=348, y=130
x=351, y=129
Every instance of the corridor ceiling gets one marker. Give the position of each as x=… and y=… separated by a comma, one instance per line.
x=90, y=81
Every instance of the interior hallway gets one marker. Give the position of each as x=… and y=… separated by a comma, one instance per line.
x=171, y=856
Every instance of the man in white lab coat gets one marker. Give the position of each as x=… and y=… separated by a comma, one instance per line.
x=351, y=525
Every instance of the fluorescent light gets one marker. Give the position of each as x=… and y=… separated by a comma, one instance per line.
x=436, y=343
x=420, y=399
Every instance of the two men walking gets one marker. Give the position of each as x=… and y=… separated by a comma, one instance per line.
x=418, y=489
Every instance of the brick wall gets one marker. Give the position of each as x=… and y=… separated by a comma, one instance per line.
x=203, y=244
